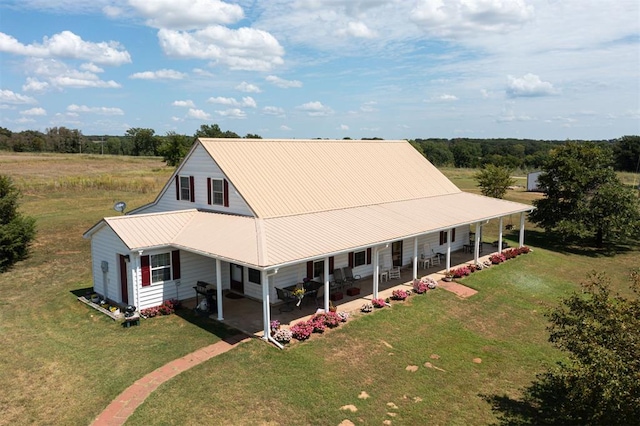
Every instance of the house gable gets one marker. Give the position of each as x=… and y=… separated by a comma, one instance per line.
x=198, y=183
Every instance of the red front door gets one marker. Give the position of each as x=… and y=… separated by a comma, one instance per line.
x=124, y=287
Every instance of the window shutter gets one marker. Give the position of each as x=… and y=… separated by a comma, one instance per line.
x=177, y=187
x=369, y=256
x=310, y=269
x=192, y=187
x=331, y=265
x=350, y=259
x=226, y=193
x=453, y=234
x=442, y=238
x=209, y=191
x=175, y=264
x=146, y=271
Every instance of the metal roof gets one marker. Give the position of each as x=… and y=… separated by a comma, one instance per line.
x=289, y=177
x=276, y=241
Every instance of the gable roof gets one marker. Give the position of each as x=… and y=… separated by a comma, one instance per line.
x=288, y=177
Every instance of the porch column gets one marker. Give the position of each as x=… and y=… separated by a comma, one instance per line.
x=448, y=260
x=326, y=284
x=415, y=258
x=376, y=271
x=266, y=308
x=521, y=242
x=137, y=281
x=476, y=249
x=219, y=288
x=500, y=236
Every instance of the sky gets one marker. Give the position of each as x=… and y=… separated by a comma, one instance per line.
x=395, y=69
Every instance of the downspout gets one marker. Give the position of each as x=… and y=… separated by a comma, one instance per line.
x=415, y=258
x=448, y=259
x=326, y=285
x=376, y=269
x=266, y=307
x=138, y=279
x=500, y=236
x=521, y=242
x=219, y=289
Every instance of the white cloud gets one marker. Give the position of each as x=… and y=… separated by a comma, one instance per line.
x=198, y=114
x=241, y=49
x=445, y=97
x=232, y=113
x=315, y=109
x=529, y=85
x=91, y=67
x=113, y=11
x=456, y=18
x=58, y=75
x=68, y=45
x=343, y=127
x=248, y=88
x=272, y=110
x=282, y=83
x=34, y=112
x=187, y=14
x=94, y=110
x=358, y=30
x=285, y=128
x=188, y=103
x=163, y=74
x=247, y=101
x=9, y=97
x=368, y=106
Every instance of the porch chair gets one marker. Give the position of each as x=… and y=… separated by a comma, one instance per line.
x=394, y=272
x=339, y=280
x=320, y=297
x=288, y=300
x=349, y=277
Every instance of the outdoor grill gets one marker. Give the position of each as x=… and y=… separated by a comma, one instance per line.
x=129, y=311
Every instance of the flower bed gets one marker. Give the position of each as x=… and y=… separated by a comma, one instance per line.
x=399, y=294
x=168, y=307
x=423, y=285
x=302, y=330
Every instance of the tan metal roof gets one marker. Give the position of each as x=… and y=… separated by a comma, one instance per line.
x=289, y=177
x=276, y=241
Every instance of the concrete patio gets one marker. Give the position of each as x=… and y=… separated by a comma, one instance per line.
x=245, y=314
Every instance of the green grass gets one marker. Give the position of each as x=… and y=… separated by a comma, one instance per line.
x=62, y=363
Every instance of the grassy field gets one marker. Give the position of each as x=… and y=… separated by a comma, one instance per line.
x=62, y=363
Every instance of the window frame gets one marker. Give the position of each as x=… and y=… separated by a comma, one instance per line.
x=220, y=193
x=166, y=268
x=252, y=271
x=320, y=264
x=182, y=188
x=359, y=258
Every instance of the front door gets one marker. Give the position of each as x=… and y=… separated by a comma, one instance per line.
x=124, y=287
x=396, y=253
x=237, y=278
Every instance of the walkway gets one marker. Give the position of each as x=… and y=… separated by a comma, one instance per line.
x=125, y=404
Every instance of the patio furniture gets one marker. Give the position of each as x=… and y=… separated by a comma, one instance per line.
x=424, y=262
x=287, y=298
x=394, y=273
x=339, y=280
x=349, y=277
x=320, y=297
x=384, y=275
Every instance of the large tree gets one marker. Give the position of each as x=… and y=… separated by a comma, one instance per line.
x=583, y=196
x=494, y=181
x=16, y=231
x=175, y=147
x=145, y=141
x=599, y=383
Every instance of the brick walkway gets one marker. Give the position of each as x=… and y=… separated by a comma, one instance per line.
x=457, y=289
x=126, y=403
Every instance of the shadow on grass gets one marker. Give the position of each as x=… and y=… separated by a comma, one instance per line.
x=553, y=242
x=512, y=412
x=192, y=316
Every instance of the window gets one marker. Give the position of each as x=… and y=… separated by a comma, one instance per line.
x=444, y=236
x=255, y=276
x=359, y=258
x=217, y=192
x=160, y=267
x=318, y=269
x=185, y=188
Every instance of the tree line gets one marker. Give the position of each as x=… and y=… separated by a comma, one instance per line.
x=522, y=154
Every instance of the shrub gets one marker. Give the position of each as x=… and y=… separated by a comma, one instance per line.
x=523, y=250
x=378, y=303
x=460, y=272
x=367, y=307
x=283, y=335
x=274, y=325
x=399, y=294
x=317, y=324
x=497, y=258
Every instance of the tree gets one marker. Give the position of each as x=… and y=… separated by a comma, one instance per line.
x=175, y=147
x=494, y=181
x=465, y=153
x=583, y=196
x=16, y=231
x=144, y=141
x=213, y=131
x=599, y=383
x=627, y=153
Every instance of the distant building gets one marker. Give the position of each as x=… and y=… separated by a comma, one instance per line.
x=532, y=181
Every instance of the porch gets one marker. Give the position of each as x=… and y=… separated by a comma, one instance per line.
x=245, y=313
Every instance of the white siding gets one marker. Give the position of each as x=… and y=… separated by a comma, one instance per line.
x=200, y=166
x=106, y=246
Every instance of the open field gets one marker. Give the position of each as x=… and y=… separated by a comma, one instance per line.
x=62, y=363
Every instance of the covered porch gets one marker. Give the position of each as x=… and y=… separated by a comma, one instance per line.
x=246, y=314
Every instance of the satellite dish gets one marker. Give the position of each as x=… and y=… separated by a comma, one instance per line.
x=120, y=206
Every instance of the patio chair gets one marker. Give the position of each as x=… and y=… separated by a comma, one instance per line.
x=320, y=297
x=349, y=277
x=338, y=279
x=394, y=272
x=288, y=300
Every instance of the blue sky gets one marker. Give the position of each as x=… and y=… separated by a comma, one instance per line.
x=396, y=69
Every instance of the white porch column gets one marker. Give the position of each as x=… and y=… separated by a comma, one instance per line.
x=376, y=271
x=137, y=281
x=415, y=258
x=266, y=307
x=219, y=288
x=476, y=248
x=521, y=242
x=448, y=260
x=500, y=236
x=326, y=284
